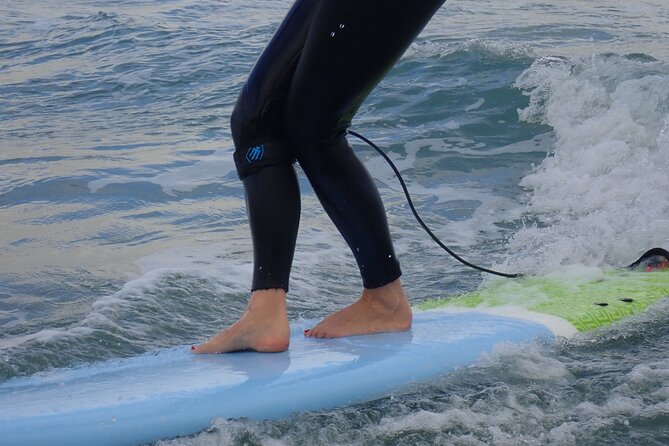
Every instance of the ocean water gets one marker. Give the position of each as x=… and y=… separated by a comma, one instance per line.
x=534, y=137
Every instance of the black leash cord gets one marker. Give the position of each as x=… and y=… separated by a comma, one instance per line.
x=420, y=220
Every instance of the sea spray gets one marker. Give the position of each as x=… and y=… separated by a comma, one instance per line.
x=600, y=196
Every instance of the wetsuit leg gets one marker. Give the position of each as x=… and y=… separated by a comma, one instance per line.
x=262, y=156
x=321, y=64
x=350, y=46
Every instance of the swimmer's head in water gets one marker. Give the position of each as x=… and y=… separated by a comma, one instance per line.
x=654, y=263
x=652, y=260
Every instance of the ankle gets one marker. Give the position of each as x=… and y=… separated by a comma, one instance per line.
x=271, y=299
x=388, y=297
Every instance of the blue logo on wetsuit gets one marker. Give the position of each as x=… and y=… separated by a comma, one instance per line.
x=255, y=153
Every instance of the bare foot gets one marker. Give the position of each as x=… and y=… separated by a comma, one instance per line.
x=378, y=310
x=263, y=327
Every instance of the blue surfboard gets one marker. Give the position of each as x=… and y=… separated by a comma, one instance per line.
x=172, y=392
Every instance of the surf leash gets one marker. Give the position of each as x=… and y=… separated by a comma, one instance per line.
x=420, y=220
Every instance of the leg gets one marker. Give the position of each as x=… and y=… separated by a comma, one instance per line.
x=349, y=48
x=352, y=201
x=273, y=215
x=263, y=161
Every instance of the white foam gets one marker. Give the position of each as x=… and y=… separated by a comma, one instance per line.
x=46, y=335
x=527, y=361
x=601, y=196
x=475, y=106
x=494, y=48
x=624, y=401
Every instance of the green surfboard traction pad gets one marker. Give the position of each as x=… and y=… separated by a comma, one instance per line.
x=566, y=302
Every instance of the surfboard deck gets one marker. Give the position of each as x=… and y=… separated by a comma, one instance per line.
x=171, y=392
x=567, y=302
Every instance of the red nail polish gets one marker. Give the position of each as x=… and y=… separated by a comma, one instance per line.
x=192, y=347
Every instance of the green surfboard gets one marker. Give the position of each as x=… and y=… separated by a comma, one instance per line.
x=567, y=302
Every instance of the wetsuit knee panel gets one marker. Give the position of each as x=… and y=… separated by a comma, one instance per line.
x=255, y=156
x=256, y=137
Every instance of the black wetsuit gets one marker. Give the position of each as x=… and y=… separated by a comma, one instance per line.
x=296, y=105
